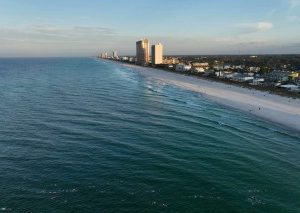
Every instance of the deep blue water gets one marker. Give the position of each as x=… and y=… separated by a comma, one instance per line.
x=83, y=135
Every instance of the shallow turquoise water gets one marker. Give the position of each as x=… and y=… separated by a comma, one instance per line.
x=83, y=135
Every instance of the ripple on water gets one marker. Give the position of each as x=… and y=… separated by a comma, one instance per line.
x=86, y=135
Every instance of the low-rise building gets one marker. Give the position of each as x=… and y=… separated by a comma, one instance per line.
x=278, y=75
x=198, y=69
x=228, y=75
x=227, y=66
x=132, y=59
x=218, y=67
x=291, y=87
x=242, y=77
x=294, y=75
x=254, y=69
x=171, y=60
x=219, y=73
x=258, y=81
x=238, y=67
x=183, y=67
x=124, y=58
x=197, y=64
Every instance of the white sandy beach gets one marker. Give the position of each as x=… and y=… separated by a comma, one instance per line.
x=280, y=110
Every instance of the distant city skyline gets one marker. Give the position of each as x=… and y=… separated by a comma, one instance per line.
x=84, y=28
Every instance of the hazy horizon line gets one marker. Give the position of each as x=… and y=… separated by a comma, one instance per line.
x=168, y=55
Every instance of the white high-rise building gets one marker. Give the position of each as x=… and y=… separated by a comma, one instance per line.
x=115, y=54
x=142, y=52
x=104, y=55
x=157, y=54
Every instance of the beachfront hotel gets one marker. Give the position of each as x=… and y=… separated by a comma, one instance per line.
x=142, y=52
x=115, y=54
x=104, y=55
x=157, y=54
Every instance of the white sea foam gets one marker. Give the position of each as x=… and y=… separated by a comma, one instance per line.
x=277, y=109
x=4, y=209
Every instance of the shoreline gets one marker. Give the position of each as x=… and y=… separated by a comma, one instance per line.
x=274, y=108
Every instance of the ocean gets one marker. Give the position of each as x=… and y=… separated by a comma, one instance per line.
x=86, y=135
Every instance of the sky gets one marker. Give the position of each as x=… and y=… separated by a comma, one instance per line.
x=31, y=28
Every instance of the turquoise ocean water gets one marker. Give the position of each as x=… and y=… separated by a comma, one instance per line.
x=84, y=135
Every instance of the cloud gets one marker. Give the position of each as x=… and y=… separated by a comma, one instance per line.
x=48, y=33
x=294, y=3
x=293, y=18
x=38, y=40
x=71, y=32
x=293, y=12
x=255, y=27
x=241, y=40
x=264, y=26
x=272, y=12
x=49, y=40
